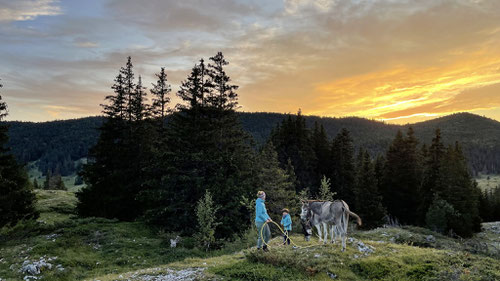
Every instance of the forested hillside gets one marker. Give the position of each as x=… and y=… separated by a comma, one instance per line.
x=56, y=145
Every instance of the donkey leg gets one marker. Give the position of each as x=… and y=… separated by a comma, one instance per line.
x=318, y=227
x=325, y=231
x=332, y=229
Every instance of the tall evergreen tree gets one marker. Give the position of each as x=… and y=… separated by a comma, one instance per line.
x=459, y=189
x=402, y=178
x=138, y=106
x=321, y=147
x=114, y=173
x=205, y=149
x=293, y=141
x=277, y=183
x=161, y=99
x=431, y=174
x=129, y=87
x=367, y=196
x=343, y=169
x=17, y=199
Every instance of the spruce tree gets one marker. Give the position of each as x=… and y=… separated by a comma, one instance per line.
x=402, y=178
x=325, y=190
x=161, y=99
x=205, y=149
x=367, y=196
x=321, y=147
x=129, y=87
x=17, y=199
x=458, y=188
x=292, y=140
x=343, y=169
x=115, y=172
x=431, y=173
x=275, y=181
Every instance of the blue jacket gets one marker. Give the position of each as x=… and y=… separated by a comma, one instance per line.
x=286, y=221
x=260, y=211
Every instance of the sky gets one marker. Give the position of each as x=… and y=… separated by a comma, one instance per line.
x=399, y=61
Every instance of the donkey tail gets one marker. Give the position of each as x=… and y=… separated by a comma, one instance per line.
x=358, y=219
x=346, y=207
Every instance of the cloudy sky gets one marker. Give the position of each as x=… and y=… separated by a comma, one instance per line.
x=395, y=60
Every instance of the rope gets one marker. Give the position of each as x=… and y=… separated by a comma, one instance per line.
x=286, y=234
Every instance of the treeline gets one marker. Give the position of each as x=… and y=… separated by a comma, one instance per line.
x=428, y=185
x=58, y=144
x=17, y=200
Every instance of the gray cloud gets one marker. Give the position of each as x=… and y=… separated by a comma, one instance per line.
x=21, y=10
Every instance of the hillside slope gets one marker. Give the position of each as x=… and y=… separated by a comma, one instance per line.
x=61, y=246
x=57, y=144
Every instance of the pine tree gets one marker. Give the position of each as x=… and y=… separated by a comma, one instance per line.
x=161, y=99
x=276, y=182
x=293, y=141
x=343, y=169
x=115, y=171
x=205, y=149
x=206, y=215
x=138, y=107
x=457, y=187
x=17, y=199
x=321, y=147
x=117, y=106
x=367, y=196
x=129, y=87
x=402, y=178
x=224, y=94
x=48, y=180
x=431, y=174
x=325, y=191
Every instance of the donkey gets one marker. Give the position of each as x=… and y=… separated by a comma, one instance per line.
x=334, y=214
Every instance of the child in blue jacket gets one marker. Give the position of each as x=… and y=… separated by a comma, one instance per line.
x=286, y=222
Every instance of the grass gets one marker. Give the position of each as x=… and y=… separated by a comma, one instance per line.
x=486, y=182
x=103, y=249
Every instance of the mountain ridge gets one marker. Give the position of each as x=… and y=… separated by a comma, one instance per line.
x=57, y=144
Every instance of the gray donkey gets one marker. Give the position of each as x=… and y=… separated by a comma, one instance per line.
x=333, y=216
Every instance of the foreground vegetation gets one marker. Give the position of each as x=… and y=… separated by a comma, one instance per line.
x=103, y=249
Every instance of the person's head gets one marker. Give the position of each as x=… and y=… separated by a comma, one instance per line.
x=262, y=195
x=285, y=211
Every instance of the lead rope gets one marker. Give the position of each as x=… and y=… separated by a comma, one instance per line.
x=282, y=231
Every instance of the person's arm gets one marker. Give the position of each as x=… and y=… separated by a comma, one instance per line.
x=262, y=213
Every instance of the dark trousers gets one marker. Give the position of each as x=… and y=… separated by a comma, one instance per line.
x=286, y=237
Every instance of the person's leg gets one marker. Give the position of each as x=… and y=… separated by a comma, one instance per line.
x=288, y=233
x=284, y=237
x=267, y=235
x=259, y=236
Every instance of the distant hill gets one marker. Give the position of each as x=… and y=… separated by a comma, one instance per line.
x=57, y=144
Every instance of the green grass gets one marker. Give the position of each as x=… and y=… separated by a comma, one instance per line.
x=485, y=182
x=103, y=249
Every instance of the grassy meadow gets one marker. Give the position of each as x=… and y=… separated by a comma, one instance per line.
x=102, y=249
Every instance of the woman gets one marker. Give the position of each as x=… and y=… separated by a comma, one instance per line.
x=261, y=217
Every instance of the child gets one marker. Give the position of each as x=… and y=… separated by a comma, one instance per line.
x=286, y=222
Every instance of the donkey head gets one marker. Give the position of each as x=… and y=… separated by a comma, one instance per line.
x=304, y=210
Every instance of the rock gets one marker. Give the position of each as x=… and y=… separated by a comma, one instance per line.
x=364, y=248
x=317, y=255
x=430, y=239
x=173, y=242
x=35, y=267
x=331, y=275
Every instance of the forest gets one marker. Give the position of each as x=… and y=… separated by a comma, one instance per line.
x=56, y=145
x=154, y=161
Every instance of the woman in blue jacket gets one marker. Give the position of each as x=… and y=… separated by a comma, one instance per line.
x=261, y=217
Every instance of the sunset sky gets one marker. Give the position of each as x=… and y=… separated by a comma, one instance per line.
x=395, y=60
